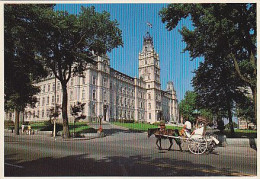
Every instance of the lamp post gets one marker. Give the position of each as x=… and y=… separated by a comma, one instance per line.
x=100, y=121
x=55, y=108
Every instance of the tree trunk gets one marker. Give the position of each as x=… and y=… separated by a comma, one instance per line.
x=230, y=121
x=66, y=133
x=254, y=91
x=16, y=124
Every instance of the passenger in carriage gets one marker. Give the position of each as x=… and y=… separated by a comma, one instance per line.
x=198, y=130
x=186, y=130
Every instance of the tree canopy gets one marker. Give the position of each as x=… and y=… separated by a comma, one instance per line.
x=40, y=39
x=72, y=41
x=225, y=35
x=20, y=67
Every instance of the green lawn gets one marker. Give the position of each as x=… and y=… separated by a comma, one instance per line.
x=80, y=127
x=141, y=126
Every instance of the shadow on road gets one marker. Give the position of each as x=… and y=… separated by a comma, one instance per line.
x=84, y=165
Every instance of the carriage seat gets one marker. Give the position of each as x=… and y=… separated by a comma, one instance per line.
x=197, y=133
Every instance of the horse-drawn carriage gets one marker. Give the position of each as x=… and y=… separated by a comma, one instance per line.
x=198, y=142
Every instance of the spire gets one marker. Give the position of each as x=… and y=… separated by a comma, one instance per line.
x=148, y=42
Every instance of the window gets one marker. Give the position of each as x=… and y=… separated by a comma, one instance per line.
x=94, y=94
x=149, y=105
x=71, y=82
x=105, y=96
x=148, y=86
x=150, y=116
x=58, y=87
x=47, y=102
x=49, y=87
x=53, y=87
x=94, y=80
x=104, y=82
x=52, y=100
x=149, y=96
x=71, y=95
x=94, y=109
x=43, y=88
x=42, y=113
x=43, y=101
x=58, y=98
x=83, y=93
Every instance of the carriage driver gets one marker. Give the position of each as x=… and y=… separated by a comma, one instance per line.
x=162, y=127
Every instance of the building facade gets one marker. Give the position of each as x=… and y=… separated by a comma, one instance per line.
x=112, y=94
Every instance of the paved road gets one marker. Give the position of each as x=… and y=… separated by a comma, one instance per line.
x=120, y=153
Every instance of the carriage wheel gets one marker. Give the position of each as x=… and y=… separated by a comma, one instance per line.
x=197, y=145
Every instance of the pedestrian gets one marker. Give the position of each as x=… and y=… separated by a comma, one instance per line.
x=22, y=128
x=29, y=129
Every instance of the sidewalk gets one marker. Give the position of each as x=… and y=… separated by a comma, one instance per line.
x=46, y=135
x=242, y=142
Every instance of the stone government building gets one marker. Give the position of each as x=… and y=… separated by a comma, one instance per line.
x=112, y=94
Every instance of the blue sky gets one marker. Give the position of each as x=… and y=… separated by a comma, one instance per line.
x=175, y=65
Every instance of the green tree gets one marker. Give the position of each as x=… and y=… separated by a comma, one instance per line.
x=21, y=67
x=216, y=86
x=188, y=105
x=72, y=41
x=224, y=34
x=245, y=110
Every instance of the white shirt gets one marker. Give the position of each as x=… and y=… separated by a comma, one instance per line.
x=188, y=125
